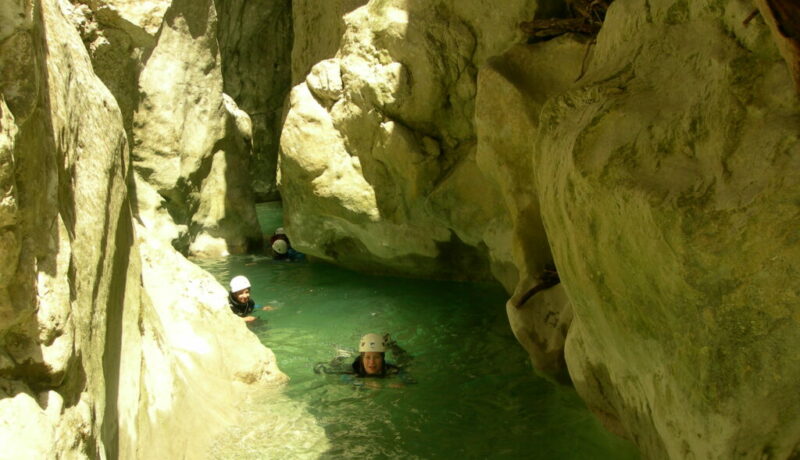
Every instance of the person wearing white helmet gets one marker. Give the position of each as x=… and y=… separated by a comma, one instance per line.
x=239, y=298
x=371, y=359
x=281, y=247
x=370, y=362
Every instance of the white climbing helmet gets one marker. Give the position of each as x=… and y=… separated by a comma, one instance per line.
x=372, y=342
x=239, y=283
x=280, y=231
x=280, y=246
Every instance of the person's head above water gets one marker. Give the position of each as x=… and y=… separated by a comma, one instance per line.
x=280, y=247
x=372, y=348
x=240, y=289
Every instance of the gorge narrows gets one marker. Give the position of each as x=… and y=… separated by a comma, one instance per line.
x=625, y=174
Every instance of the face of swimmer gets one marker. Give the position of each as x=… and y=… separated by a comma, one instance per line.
x=372, y=362
x=242, y=296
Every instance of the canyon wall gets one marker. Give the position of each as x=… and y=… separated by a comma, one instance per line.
x=112, y=344
x=192, y=146
x=379, y=146
x=655, y=166
x=255, y=39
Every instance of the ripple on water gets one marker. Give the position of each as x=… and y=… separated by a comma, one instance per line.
x=476, y=394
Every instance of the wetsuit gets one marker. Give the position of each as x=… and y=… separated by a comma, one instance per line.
x=291, y=254
x=239, y=308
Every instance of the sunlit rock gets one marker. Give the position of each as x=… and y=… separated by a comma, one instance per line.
x=510, y=93
x=656, y=166
x=19, y=74
x=187, y=361
x=112, y=345
x=325, y=81
x=190, y=145
x=68, y=159
x=9, y=210
x=317, y=28
x=401, y=127
x=15, y=16
x=30, y=433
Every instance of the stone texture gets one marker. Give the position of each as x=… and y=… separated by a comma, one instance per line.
x=9, y=211
x=180, y=369
x=19, y=76
x=190, y=146
x=317, y=28
x=783, y=18
x=541, y=324
x=83, y=280
x=204, y=210
x=657, y=168
x=398, y=158
x=511, y=89
x=325, y=81
x=68, y=160
x=666, y=181
x=117, y=35
x=255, y=40
x=30, y=433
x=15, y=16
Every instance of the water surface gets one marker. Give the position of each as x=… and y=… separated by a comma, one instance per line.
x=476, y=394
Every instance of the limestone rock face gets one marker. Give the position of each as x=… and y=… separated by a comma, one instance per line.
x=118, y=35
x=255, y=40
x=668, y=181
x=19, y=77
x=378, y=148
x=67, y=159
x=201, y=203
x=80, y=281
x=657, y=168
x=317, y=29
x=541, y=324
x=783, y=18
x=184, y=367
x=191, y=145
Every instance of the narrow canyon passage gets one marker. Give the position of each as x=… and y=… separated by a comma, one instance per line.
x=475, y=396
x=647, y=157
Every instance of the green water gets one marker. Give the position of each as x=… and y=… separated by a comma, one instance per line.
x=476, y=394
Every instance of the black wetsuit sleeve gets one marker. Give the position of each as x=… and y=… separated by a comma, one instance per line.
x=401, y=357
